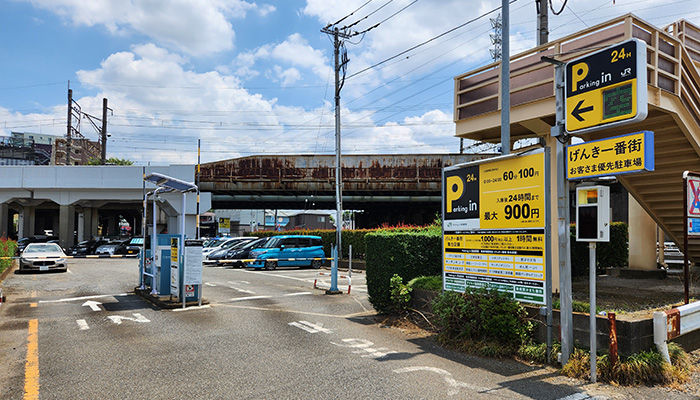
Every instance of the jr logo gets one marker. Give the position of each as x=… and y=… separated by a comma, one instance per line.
x=455, y=189
x=579, y=72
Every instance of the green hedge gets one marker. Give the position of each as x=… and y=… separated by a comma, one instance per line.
x=7, y=249
x=354, y=237
x=613, y=254
x=407, y=254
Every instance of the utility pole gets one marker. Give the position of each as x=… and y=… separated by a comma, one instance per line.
x=505, y=78
x=70, y=125
x=104, y=131
x=542, y=22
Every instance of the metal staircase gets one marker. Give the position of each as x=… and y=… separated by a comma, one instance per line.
x=673, y=71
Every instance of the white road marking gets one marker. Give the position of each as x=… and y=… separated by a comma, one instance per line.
x=82, y=324
x=209, y=284
x=241, y=290
x=250, y=298
x=117, y=319
x=309, y=327
x=577, y=396
x=239, y=282
x=192, y=308
x=297, y=294
x=454, y=385
x=94, y=305
x=83, y=298
x=363, y=347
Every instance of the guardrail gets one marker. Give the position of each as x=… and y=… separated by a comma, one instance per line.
x=670, y=324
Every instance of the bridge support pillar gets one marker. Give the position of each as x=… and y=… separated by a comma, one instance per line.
x=642, y=238
x=27, y=221
x=66, y=225
x=4, y=220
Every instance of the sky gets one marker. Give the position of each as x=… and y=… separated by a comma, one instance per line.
x=256, y=78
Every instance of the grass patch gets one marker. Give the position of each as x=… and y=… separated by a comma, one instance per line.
x=644, y=368
x=433, y=283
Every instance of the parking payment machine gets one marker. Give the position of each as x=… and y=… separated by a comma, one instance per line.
x=186, y=271
x=593, y=214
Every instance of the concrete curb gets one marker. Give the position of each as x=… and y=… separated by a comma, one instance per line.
x=8, y=271
x=164, y=303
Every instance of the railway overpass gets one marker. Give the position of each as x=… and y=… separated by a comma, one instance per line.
x=402, y=188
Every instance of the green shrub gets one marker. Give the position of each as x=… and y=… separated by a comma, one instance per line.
x=400, y=294
x=354, y=237
x=481, y=315
x=408, y=254
x=7, y=249
x=614, y=254
x=433, y=283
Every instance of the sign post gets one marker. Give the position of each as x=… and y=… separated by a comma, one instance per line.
x=691, y=200
x=607, y=88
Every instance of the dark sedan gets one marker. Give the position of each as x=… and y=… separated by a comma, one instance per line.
x=85, y=247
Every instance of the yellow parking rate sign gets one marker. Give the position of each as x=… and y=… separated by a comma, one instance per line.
x=607, y=88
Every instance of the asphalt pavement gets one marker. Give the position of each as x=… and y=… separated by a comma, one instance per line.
x=265, y=334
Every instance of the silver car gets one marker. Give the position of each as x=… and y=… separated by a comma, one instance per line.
x=43, y=257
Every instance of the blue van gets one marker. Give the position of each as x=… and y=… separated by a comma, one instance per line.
x=289, y=251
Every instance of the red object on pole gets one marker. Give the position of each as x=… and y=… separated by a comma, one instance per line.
x=613, y=338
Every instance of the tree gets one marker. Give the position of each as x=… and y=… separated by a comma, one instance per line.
x=111, y=161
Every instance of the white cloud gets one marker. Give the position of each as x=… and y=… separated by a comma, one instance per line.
x=194, y=27
x=294, y=51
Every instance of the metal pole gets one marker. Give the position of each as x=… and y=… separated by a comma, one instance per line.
x=154, y=239
x=505, y=79
x=199, y=165
x=548, y=250
x=591, y=299
x=563, y=223
x=334, y=272
x=686, y=267
x=181, y=247
x=104, y=132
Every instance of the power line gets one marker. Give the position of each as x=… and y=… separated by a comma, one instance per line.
x=427, y=41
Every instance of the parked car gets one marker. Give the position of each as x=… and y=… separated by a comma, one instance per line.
x=43, y=257
x=85, y=247
x=215, y=256
x=289, y=251
x=243, y=252
x=135, y=244
x=22, y=243
x=223, y=244
x=112, y=248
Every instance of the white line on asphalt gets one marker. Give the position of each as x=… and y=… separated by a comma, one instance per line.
x=276, y=275
x=192, y=308
x=241, y=290
x=83, y=298
x=209, y=284
x=297, y=294
x=117, y=319
x=576, y=396
x=82, y=324
x=451, y=382
x=250, y=298
x=303, y=327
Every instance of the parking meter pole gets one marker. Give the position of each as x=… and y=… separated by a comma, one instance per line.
x=592, y=276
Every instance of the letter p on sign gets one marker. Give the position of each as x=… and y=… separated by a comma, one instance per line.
x=579, y=72
x=455, y=188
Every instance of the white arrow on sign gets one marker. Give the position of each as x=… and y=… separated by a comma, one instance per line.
x=94, y=305
x=117, y=319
